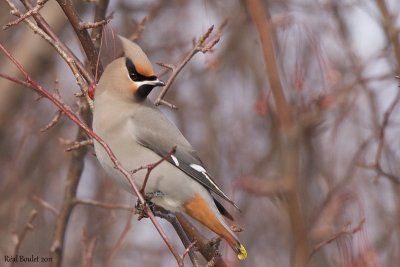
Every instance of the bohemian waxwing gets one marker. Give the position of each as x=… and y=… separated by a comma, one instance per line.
x=139, y=134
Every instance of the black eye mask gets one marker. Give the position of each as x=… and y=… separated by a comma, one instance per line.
x=134, y=75
x=144, y=90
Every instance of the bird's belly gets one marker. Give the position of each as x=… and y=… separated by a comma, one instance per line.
x=169, y=187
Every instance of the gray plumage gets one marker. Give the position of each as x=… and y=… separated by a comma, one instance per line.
x=139, y=134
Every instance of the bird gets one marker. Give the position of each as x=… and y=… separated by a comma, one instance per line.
x=139, y=134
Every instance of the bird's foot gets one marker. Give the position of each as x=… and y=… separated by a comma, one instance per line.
x=141, y=208
x=214, y=243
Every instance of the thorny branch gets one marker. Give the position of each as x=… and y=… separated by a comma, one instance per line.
x=202, y=45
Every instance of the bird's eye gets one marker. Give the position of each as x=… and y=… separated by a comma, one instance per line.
x=133, y=76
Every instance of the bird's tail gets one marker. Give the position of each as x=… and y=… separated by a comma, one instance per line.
x=208, y=214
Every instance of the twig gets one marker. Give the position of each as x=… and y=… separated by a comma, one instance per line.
x=83, y=126
x=83, y=36
x=187, y=251
x=200, y=46
x=53, y=122
x=30, y=12
x=335, y=236
x=45, y=205
x=120, y=240
x=262, y=187
x=78, y=144
x=186, y=241
x=59, y=48
x=90, y=25
x=42, y=24
x=75, y=170
x=99, y=14
x=102, y=205
x=212, y=262
x=139, y=29
x=376, y=166
x=19, y=238
x=15, y=80
x=151, y=166
x=210, y=253
x=88, y=248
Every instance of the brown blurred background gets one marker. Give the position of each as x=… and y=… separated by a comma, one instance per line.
x=337, y=64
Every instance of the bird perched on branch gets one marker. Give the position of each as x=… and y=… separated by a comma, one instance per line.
x=139, y=134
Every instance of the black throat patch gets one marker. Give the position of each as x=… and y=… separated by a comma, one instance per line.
x=143, y=90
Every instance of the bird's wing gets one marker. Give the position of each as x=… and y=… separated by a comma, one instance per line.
x=184, y=158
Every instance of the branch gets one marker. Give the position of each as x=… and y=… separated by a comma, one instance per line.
x=46, y=205
x=64, y=53
x=30, y=12
x=75, y=170
x=186, y=241
x=83, y=36
x=267, y=36
x=335, y=236
x=102, y=205
x=78, y=144
x=19, y=238
x=100, y=14
x=200, y=46
x=289, y=134
x=15, y=80
x=97, y=24
x=263, y=187
x=53, y=122
x=42, y=24
x=208, y=249
x=139, y=29
x=151, y=166
x=88, y=248
x=120, y=240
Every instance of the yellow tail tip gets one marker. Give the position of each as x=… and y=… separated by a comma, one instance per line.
x=242, y=253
